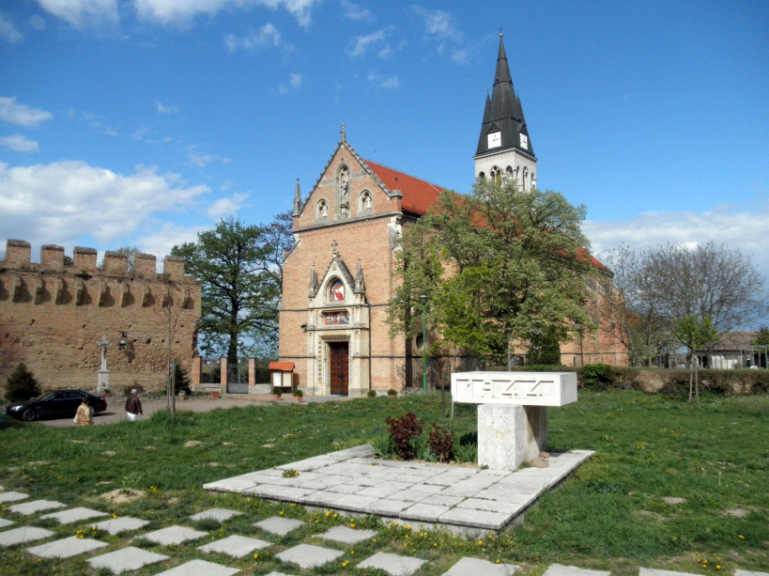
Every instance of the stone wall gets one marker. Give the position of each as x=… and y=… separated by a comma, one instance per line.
x=52, y=314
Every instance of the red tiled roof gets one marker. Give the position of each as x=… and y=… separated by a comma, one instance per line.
x=418, y=195
x=282, y=366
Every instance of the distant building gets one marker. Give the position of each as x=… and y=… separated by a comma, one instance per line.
x=340, y=276
x=733, y=350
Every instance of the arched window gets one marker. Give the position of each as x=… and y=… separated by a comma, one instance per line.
x=336, y=291
x=509, y=173
x=494, y=173
x=321, y=211
x=481, y=176
x=533, y=179
x=366, y=203
x=524, y=184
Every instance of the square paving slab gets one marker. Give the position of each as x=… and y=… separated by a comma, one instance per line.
x=656, y=572
x=478, y=567
x=279, y=525
x=125, y=560
x=29, y=508
x=74, y=515
x=23, y=535
x=12, y=497
x=200, y=568
x=464, y=500
x=174, y=535
x=560, y=570
x=5, y=523
x=748, y=573
x=347, y=535
x=308, y=556
x=235, y=546
x=117, y=525
x=278, y=574
x=393, y=564
x=66, y=548
x=218, y=514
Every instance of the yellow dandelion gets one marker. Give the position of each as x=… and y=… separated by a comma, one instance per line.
x=741, y=537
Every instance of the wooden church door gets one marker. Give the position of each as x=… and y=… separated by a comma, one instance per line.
x=340, y=367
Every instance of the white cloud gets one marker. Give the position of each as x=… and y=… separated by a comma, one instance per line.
x=267, y=36
x=226, y=185
x=166, y=108
x=62, y=201
x=380, y=82
x=440, y=29
x=37, y=22
x=21, y=114
x=81, y=13
x=227, y=206
x=374, y=41
x=166, y=237
x=744, y=230
x=8, y=31
x=294, y=83
x=199, y=160
x=94, y=121
x=355, y=12
x=182, y=12
x=19, y=143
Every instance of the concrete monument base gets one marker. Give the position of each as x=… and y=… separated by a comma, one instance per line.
x=510, y=435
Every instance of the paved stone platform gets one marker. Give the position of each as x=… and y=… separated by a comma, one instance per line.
x=125, y=560
x=173, y=535
x=308, y=556
x=12, y=497
x=393, y=564
x=29, y=508
x=66, y=547
x=124, y=524
x=218, y=514
x=200, y=568
x=73, y=515
x=235, y=546
x=23, y=535
x=464, y=499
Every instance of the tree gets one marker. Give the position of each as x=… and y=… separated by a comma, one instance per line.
x=21, y=385
x=239, y=269
x=499, y=267
x=761, y=338
x=130, y=252
x=672, y=282
x=694, y=333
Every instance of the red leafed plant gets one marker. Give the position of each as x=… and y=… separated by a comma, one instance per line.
x=404, y=431
x=441, y=443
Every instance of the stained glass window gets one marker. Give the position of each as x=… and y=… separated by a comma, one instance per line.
x=337, y=291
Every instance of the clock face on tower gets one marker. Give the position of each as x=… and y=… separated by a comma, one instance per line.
x=495, y=139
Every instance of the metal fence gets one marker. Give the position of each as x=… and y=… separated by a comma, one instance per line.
x=210, y=371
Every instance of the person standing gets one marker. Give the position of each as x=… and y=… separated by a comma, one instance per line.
x=133, y=406
x=84, y=414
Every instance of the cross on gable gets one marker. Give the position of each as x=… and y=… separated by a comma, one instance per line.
x=334, y=244
x=103, y=342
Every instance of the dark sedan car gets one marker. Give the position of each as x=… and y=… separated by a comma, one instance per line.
x=59, y=404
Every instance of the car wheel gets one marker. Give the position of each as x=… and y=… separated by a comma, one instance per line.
x=29, y=415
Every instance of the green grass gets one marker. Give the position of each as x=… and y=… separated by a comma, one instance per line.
x=609, y=514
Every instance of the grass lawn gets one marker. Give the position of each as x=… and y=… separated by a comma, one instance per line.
x=610, y=514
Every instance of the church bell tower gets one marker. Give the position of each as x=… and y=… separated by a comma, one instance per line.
x=504, y=146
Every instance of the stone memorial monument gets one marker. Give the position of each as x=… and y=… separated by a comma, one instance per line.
x=512, y=411
x=103, y=372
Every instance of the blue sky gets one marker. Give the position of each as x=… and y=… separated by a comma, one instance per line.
x=142, y=122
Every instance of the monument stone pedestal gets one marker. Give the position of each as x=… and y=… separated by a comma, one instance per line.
x=512, y=411
x=103, y=382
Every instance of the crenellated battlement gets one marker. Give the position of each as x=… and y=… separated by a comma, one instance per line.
x=18, y=255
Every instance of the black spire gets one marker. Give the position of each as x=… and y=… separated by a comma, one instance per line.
x=504, y=113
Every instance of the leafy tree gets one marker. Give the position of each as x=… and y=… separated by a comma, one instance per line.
x=545, y=350
x=498, y=267
x=130, y=252
x=239, y=268
x=21, y=385
x=694, y=333
x=761, y=338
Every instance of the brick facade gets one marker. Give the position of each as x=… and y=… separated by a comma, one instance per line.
x=51, y=316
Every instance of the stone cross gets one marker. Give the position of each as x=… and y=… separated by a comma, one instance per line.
x=344, y=136
x=103, y=373
x=512, y=416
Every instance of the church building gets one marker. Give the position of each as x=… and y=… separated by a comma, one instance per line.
x=341, y=274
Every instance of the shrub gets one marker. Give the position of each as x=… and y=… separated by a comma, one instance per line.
x=598, y=376
x=441, y=443
x=183, y=382
x=21, y=385
x=371, y=393
x=467, y=449
x=392, y=393
x=404, y=431
x=297, y=393
x=277, y=391
x=384, y=446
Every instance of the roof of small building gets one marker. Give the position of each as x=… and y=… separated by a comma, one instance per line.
x=734, y=340
x=282, y=366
